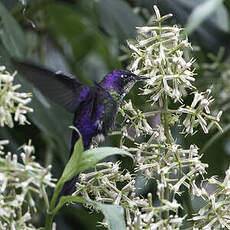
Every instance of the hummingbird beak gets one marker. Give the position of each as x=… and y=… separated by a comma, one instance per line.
x=141, y=78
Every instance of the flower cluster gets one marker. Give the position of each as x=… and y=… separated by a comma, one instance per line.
x=199, y=113
x=150, y=217
x=179, y=167
x=101, y=184
x=18, y=184
x=13, y=105
x=136, y=120
x=215, y=214
x=157, y=53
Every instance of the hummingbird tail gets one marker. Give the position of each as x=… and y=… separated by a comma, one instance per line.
x=69, y=186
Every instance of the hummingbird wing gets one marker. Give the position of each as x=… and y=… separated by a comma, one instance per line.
x=59, y=87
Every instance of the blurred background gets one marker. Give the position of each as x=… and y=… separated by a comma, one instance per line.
x=87, y=38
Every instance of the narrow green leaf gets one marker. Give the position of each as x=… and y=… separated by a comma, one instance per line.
x=71, y=168
x=69, y=172
x=202, y=12
x=68, y=199
x=11, y=34
x=90, y=157
x=114, y=214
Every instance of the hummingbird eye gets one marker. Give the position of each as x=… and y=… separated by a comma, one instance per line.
x=124, y=76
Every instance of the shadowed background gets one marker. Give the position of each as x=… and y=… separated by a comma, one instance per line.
x=86, y=38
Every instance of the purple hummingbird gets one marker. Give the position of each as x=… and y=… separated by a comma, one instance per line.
x=95, y=108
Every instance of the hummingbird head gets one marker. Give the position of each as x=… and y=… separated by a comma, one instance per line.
x=119, y=82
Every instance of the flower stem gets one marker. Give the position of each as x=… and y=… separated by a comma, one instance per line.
x=165, y=214
x=50, y=214
x=166, y=122
x=49, y=221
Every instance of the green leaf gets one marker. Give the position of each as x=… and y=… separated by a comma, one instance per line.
x=202, y=12
x=70, y=26
x=114, y=214
x=117, y=18
x=90, y=157
x=81, y=161
x=82, y=35
x=77, y=30
x=12, y=36
x=69, y=172
x=71, y=168
x=68, y=199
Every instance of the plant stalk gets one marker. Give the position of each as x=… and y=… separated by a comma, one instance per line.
x=165, y=214
x=50, y=214
x=49, y=221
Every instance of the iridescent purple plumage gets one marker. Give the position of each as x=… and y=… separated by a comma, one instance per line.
x=83, y=94
x=112, y=80
x=87, y=124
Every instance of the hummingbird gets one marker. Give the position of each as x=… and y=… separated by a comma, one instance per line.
x=95, y=108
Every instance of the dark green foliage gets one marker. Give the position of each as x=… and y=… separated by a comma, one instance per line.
x=84, y=38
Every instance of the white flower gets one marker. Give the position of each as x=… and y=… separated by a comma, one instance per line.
x=199, y=112
x=12, y=102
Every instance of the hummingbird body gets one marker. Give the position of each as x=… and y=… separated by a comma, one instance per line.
x=95, y=108
x=98, y=108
